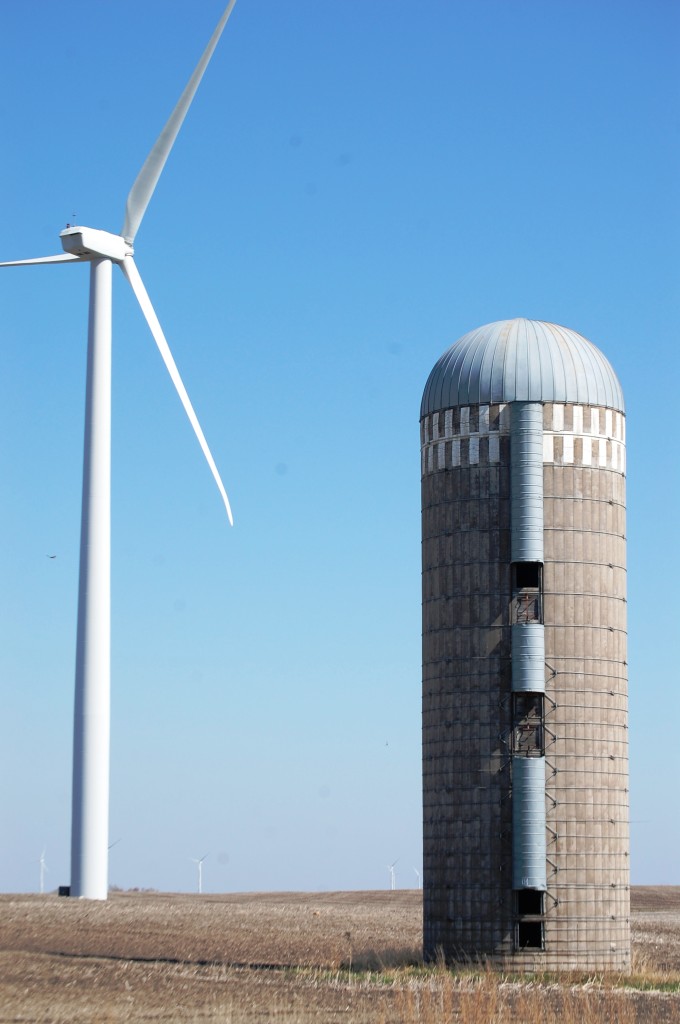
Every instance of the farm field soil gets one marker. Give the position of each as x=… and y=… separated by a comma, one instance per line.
x=297, y=957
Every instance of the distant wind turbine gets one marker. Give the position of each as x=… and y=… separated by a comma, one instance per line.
x=101, y=249
x=417, y=876
x=393, y=874
x=198, y=861
x=43, y=869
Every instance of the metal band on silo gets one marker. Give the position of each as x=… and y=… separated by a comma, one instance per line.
x=526, y=487
x=528, y=657
x=528, y=823
x=528, y=641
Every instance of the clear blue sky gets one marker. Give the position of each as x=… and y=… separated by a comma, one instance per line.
x=358, y=183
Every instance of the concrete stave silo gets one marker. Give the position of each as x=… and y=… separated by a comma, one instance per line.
x=525, y=768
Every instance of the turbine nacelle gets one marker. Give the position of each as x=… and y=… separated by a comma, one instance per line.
x=92, y=244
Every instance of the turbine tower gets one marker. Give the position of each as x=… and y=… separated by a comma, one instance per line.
x=101, y=249
x=43, y=869
x=198, y=861
x=393, y=875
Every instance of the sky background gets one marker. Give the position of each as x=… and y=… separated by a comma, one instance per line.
x=358, y=184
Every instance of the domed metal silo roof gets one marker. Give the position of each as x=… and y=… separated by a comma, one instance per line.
x=522, y=361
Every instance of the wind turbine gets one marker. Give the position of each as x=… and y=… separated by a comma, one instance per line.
x=101, y=249
x=417, y=876
x=43, y=869
x=393, y=874
x=198, y=861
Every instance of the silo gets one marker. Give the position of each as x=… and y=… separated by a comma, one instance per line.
x=525, y=741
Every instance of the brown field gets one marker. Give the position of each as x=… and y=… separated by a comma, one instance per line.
x=298, y=957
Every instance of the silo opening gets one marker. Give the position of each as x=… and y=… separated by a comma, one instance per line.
x=529, y=935
x=529, y=928
x=526, y=592
x=526, y=575
x=529, y=902
x=527, y=724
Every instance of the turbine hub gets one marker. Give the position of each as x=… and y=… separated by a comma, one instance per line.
x=92, y=244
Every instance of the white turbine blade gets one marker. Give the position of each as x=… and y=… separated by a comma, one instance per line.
x=146, y=180
x=130, y=270
x=63, y=257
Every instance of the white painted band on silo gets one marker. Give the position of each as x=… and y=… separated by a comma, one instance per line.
x=528, y=823
x=528, y=657
x=526, y=481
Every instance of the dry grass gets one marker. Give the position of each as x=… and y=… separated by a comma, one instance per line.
x=491, y=999
x=301, y=958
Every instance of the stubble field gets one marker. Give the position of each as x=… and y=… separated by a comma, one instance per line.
x=298, y=957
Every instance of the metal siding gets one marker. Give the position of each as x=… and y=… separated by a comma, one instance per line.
x=486, y=370
x=497, y=369
x=528, y=657
x=574, y=386
x=467, y=371
x=526, y=468
x=445, y=378
x=528, y=823
x=476, y=373
x=522, y=364
x=522, y=360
